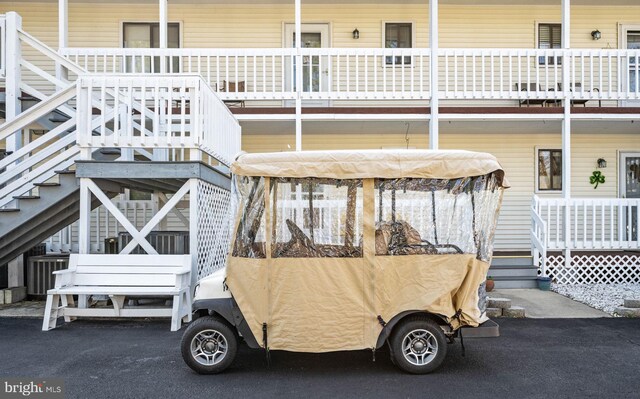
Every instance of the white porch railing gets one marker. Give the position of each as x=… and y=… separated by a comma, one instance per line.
x=150, y=112
x=583, y=224
x=3, y=51
x=385, y=74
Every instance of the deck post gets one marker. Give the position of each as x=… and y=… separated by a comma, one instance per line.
x=84, y=222
x=13, y=77
x=193, y=230
x=63, y=37
x=433, y=71
x=164, y=32
x=298, y=84
x=566, y=129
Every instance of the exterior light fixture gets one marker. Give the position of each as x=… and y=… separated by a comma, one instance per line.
x=602, y=163
x=356, y=33
x=596, y=35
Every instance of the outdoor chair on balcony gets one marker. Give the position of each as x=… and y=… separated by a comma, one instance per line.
x=530, y=101
x=578, y=88
x=233, y=87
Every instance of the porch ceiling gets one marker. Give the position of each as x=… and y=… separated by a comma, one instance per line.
x=426, y=2
x=452, y=127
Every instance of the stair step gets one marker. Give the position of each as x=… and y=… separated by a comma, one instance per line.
x=512, y=261
x=26, y=197
x=532, y=272
x=28, y=98
x=46, y=184
x=57, y=120
x=66, y=172
x=508, y=267
x=7, y=210
x=514, y=278
x=516, y=284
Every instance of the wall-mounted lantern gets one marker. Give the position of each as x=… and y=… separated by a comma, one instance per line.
x=596, y=35
x=356, y=34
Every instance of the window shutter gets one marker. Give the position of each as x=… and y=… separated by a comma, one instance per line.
x=544, y=36
x=556, y=36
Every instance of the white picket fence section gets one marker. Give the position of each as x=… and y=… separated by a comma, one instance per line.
x=582, y=224
x=385, y=74
x=152, y=112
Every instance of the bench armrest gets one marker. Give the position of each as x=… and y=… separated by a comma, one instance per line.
x=63, y=277
x=183, y=279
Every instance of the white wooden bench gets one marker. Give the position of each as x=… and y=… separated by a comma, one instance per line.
x=119, y=276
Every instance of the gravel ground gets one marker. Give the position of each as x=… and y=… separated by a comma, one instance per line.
x=605, y=297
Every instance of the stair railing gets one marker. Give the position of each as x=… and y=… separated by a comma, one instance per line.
x=539, y=236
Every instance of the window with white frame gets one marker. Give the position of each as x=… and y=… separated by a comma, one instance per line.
x=398, y=35
x=147, y=35
x=549, y=169
x=549, y=37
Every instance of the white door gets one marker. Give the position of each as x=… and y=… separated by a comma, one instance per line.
x=630, y=39
x=630, y=188
x=315, y=69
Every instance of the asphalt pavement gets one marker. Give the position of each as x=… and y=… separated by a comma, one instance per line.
x=534, y=358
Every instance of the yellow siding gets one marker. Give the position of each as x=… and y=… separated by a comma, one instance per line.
x=261, y=25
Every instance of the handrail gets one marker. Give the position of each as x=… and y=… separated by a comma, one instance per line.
x=381, y=73
x=156, y=111
x=37, y=111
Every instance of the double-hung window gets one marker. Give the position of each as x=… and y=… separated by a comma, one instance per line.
x=549, y=169
x=398, y=35
x=147, y=35
x=549, y=37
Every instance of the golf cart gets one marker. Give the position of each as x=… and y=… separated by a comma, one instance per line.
x=349, y=250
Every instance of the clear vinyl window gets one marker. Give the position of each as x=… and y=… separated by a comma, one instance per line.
x=316, y=218
x=436, y=216
x=249, y=241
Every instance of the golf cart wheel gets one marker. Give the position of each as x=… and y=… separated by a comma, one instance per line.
x=209, y=346
x=418, y=346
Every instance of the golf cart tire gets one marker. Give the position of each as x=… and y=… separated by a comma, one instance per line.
x=211, y=326
x=402, y=336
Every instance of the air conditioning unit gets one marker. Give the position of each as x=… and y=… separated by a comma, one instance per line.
x=40, y=270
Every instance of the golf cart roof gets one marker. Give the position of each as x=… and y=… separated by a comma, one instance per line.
x=389, y=164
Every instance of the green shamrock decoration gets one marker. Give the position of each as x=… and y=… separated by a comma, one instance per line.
x=596, y=178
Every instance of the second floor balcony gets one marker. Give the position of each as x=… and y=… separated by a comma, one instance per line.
x=524, y=77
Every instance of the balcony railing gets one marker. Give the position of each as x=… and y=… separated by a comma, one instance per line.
x=583, y=224
x=386, y=74
x=150, y=113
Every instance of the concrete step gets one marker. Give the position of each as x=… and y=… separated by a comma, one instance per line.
x=511, y=261
x=515, y=283
x=627, y=312
x=632, y=303
x=513, y=272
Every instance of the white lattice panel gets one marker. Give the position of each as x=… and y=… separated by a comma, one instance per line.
x=592, y=269
x=214, y=227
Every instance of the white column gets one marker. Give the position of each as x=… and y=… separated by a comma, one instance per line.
x=13, y=76
x=164, y=32
x=84, y=222
x=566, y=127
x=433, y=44
x=63, y=36
x=298, y=39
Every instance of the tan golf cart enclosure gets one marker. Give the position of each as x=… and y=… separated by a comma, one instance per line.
x=330, y=250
